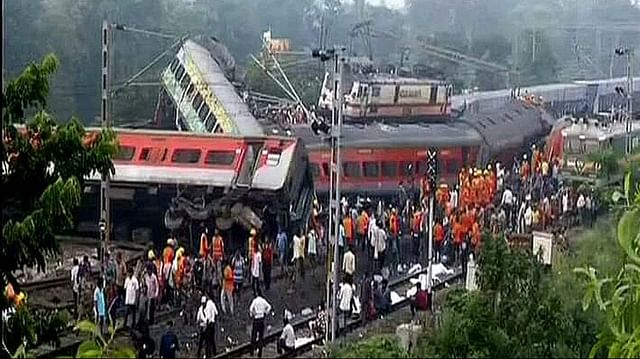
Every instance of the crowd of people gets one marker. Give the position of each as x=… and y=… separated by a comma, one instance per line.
x=527, y=197
x=389, y=238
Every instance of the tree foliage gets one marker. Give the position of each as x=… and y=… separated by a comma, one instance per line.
x=374, y=347
x=515, y=313
x=499, y=31
x=619, y=296
x=97, y=346
x=27, y=328
x=44, y=166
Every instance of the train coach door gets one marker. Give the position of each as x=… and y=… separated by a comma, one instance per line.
x=249, y=163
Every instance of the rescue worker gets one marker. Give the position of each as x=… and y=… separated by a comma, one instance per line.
x=438, y=233
x=363, y=228
x=394, y=236
x=416, y=231
x=226, y=295
x=238, y=273
x=347, y=222
x=204, y=242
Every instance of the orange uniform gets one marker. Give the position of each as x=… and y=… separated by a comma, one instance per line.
x=204, y=245
x=363, y=223
x=218, y=248
x=394, y=224
x=347, y=222
x=439, y=233
x=475, y=234
x=458, y=233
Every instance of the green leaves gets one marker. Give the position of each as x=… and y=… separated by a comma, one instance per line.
x=96, y=346
x=622, y=305
x=628, y=234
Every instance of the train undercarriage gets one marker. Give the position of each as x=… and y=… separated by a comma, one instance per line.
x=152, y=213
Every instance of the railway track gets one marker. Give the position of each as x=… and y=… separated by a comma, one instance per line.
x=399, y=285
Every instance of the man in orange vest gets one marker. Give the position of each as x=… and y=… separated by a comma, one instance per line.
x=475, y=235
x=416, y=233
x=347, y=223
x=218, y=253
x=204, y=242
x=363, y=228
x=394, y=236
x=438, y=234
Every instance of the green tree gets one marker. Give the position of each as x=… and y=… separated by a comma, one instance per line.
x=44, y=166
x=516, y=312
x=374, y=347
x=97, y=346
x=619, y=296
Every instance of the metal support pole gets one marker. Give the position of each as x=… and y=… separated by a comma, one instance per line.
x=629, y=122
x=105, y=123
x=432, y=178
x=336, y=128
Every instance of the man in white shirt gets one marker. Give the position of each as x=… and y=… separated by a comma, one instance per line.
x=75, y=286
x=256, y=264
x=206, y=319
x=349, y=265
x=298, y=252
x=380, y=247
x=580, y=204
x=258, y=310
x=507, y=204
x=131, y=288
x=345, y=298
x=287, y=341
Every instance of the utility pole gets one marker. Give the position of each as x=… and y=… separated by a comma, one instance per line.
x=629, y=122
x=337, y=55
x=336, y=129
x=105, y=123
x=432, y=174
x=628, y=53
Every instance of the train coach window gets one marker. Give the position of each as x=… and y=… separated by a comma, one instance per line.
x=352, y=169
x=197, y=101
x=185, y=156
x=375, y=91
x=315, y=170
x=389, y=169
x=125, y=153
x=210, y=122
x=371, y=169
x=325, y=169
x=179, y=73
x=145, y=154
x=220, y=158
x=204, y=110
x=174, y=64
x=186, y=80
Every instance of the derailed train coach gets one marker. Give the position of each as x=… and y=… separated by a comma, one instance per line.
x=588, y=96
x=377, y=157
x=254, y=182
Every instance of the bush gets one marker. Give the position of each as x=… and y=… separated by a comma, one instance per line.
x=374, y=347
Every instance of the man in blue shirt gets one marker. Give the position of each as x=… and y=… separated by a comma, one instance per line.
x=281, y=243
x=169, y=343
x=99, y=305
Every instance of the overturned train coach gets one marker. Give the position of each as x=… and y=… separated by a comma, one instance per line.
x=253, y=181
x=377, y=157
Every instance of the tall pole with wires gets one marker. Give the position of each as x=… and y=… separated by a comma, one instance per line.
x=334, y=131
x=628, y=53
x=105, y=123
x=432, y=175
